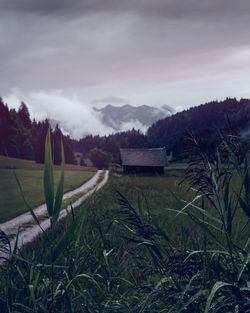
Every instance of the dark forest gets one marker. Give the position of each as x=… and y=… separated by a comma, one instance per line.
x=22, y=138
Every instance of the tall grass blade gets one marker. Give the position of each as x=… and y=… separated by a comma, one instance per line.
x=83, y=276
x=216, y=287
x=204, y=213
x=16, y=243
x=48, y=179
x=188, y=204
x=191, y=300
x=59, y=193
x=26, y=203
x=71, y=230
x=245, y=206
x=247, y=185
x=226, y=191
x=244, y=265
x=205, y=228
x=160, y=231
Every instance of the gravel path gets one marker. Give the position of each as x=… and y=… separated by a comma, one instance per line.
x=29, y=233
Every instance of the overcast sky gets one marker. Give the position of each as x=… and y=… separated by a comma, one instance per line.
x=62, y=57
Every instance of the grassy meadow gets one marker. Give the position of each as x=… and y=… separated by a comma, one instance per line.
x=119, y=260
x=30, y=176
x=142, y=244
x=13, y=163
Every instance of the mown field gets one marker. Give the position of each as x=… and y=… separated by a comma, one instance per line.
x=13, y=163
x=30, y=176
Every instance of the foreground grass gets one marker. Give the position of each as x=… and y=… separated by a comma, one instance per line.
x=142, y=244
x=11, y=203
x=110, y=267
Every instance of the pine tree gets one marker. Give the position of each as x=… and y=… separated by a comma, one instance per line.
x=24, y=115
x=4, y=128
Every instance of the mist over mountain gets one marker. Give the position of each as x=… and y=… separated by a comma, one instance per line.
x=112, y=119
x=122, y=118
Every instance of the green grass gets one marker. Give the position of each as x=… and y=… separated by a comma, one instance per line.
x=176, y=166
x=155, y=193
x=11, y=203
x=66, y=203
x=10, y=163
x=143, y=244
x=127, y=272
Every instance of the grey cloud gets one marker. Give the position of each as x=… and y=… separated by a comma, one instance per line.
x=119, y=47
x=91, y=50
x=205, y=9
x=41, y=6
x=63, y=7
x=157, y=8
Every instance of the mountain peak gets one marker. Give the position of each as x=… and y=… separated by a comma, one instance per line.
x=117, y=117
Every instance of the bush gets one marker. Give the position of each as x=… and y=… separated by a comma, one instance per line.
x=99, y=158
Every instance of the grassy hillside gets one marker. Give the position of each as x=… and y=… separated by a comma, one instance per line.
x=13, y=163
x=30, y=175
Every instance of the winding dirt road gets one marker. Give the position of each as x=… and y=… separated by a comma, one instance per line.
x=28, y=233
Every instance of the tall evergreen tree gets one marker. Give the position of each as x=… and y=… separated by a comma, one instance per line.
x=68, y=150
x=24, y=115
x=39, y=145
x=56, y=145
x=4, y=128
x=20, y=143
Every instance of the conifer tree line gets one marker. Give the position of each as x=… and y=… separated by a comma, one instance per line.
x=111, y=144
x=206, y=122
x=22, y=138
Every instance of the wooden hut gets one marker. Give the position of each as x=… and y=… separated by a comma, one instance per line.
x=144, y=160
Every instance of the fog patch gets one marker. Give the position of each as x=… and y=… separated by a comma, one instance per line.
x=73, y=116
x=135, y=124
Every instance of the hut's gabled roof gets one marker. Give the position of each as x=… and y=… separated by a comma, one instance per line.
x=144, y=157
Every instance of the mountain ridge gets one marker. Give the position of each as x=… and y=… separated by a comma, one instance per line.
x=117, y=117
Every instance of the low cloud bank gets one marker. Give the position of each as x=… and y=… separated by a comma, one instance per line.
x=74, y=117
x=134, y=124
